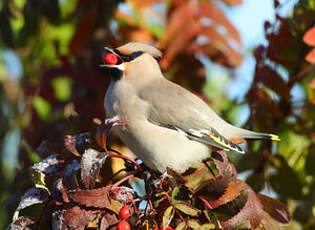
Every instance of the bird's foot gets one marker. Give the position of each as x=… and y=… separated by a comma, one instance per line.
x=113, y=121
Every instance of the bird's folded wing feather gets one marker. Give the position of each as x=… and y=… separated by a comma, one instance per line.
x=174, y=107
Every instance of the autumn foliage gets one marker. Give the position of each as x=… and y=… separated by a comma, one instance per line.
x=78, y=192
x=65, y=171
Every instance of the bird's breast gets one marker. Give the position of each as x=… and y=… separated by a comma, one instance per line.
x=121, y=99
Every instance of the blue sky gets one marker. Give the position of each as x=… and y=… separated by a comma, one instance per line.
x=249, y=19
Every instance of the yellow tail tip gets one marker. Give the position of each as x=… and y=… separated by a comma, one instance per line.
x=274, y=137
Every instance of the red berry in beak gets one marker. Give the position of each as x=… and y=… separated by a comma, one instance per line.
x=110, y=59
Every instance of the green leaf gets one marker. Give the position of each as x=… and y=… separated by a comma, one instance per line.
x=198, y=178
x=62, y=87
x=187, y=209
x=256, y=181
x=194, y=224
x=310, y=161
x=286, y=181
x=42, y=107
x=180, y=194
x=168, y=216
x=207, y=226
x=181, y=226
x=38, y=179
x=212, y=217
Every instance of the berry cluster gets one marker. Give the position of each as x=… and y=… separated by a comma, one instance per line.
x=124, y=214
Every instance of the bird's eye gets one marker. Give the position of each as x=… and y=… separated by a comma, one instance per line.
x=111, y=59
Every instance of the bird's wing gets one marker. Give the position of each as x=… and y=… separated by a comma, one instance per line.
x=174, y=107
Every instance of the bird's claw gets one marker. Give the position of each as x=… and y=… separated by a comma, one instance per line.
x=113, y=121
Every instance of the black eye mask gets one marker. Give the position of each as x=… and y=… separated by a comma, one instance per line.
x=130, y=57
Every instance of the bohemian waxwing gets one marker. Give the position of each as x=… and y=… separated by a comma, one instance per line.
x=166, y=125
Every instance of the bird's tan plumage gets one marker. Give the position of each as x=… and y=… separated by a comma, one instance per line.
x=167, y=126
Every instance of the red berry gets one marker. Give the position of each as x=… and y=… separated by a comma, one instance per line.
x=110, y=59
x=123, y=225
x=167, y=228
x=124, y=212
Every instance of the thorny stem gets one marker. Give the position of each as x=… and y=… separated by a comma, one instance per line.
x=151, y=205
x=211, y=171
x=42, y=213
x=180, y=215
x=115, y=174
x=122, y=181
x=205, y=202
x=301, y=75
x=125, y=158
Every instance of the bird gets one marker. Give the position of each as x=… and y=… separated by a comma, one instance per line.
x=166, y=124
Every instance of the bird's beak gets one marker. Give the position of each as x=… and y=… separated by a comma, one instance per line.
x=109, y=50
x=118, y=66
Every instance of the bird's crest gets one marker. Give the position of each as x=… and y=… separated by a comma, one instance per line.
x=133, y=47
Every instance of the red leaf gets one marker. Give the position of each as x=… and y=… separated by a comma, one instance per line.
x=77, y=144
x=73, y=218
x=83, y=32
x=219, y=18
x=135, y=34
x=22, y=223
x=273, y=80
x=223, y=165
x=91, y=163
x=233, y=2
x=252, y=211
x=46, y=148
x=262, y=105
x=179, y=19
x=59, y=192
x=201, y=18
x=275, y=209
x=126, y=18
x=309, y=37
x=70, y=179
x=187, y=209
x=310, y=57
x=96, y=198
x=276, y=3
x=178, y=43
x=219, y=44
x=33, y=196
x=232, y=191
x=312, y=83
x=77, y=217
x=108, y=220
x=50, y=165
x=122, y=194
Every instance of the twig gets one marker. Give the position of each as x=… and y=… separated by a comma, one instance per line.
x=125, y=158
x=301, y=75
x=122, y=181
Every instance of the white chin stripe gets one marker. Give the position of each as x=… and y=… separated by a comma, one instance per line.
x=120, y=66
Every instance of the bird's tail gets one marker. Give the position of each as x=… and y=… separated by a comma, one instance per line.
x=247, y=134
